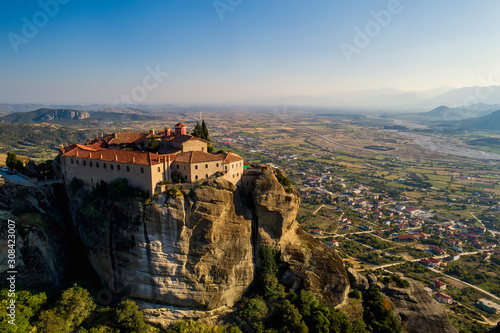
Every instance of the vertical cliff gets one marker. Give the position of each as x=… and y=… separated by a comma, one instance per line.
x=197, y=251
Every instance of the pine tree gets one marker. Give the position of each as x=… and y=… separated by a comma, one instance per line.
x=204, y=128
x=197, y=131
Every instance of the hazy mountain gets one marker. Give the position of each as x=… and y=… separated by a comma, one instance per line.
x=444, y=112
x=45, y=115
x=489, y=122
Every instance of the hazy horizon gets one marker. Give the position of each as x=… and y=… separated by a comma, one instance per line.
x=173, y=52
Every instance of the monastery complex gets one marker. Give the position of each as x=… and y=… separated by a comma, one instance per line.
x=181, y=157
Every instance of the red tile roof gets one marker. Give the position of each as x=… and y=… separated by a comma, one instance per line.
x=180, y=124
x=117, y=155
x=124, y=138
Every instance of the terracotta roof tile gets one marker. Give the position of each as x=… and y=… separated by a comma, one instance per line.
x=180, y=124
x=197, y=157
x=124, y=138
x=117, y=155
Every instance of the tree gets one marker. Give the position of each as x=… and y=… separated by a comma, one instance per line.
x=153, y=145
x=13, y=162
x=254, y=312
x=74, y=306
x=129, y=318
x=290, y=319
x=204, y=131
x=27, y=305
x=197, y=131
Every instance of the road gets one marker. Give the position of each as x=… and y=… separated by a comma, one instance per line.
x=466, y=283
x=15, y=178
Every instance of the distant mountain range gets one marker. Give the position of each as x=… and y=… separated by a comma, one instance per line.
x=474, y=111
x=489, y=122
x=66, y=116
x=389, y=99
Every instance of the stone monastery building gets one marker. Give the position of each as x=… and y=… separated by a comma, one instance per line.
x=180, y=157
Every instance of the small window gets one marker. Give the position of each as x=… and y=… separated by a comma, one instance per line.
x=111, y=166
x=196, y=177
x=237, y=174
x=196, y=167
x=84, y=163
x=206, y=166
x=206, y=176
x=118, y=167
x=177, y=166
x=72, y=161
x=185, y=177
x=217, y=164
x=96, y=164
x=142, y=170
x=128, y=168
x=159, y=169
x=104, y=165
x=247, y=183
x=232, y=166
x=77, y=162
x=90, y=163
x=226, y=167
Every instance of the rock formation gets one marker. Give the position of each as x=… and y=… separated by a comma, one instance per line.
x=198, y=251
x=41, y=252
x=417, y=310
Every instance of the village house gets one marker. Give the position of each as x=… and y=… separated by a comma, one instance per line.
x=443, y=298
x=439, y=285
x=488, y=306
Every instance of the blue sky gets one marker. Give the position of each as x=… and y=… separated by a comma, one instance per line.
x=97, y=51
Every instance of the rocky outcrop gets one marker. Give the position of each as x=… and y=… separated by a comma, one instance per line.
x=311, y=264
x=357, y=280
x=63, y=114
x=41, y=252
x=417, y=310
x=198, y=251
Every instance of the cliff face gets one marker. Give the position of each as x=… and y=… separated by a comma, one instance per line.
x=198, y=251
x=417, y=310
x=41, y=252
x=63, y=114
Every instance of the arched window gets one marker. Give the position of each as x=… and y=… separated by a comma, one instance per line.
x=196, y=167
x=142, y=170
x=177, y=166
x=206, y=166
x=196, y=177
x=104, y=165
x=128, y=168
x=118, y=167
x=96, y=164
x=84, y=163
x=90, y=163
x=217, y=164
x=111, y=166
x=77, y=162
x=159, y=169
x=71, y=161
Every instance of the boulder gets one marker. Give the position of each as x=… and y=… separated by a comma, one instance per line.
x=357, y=280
